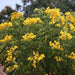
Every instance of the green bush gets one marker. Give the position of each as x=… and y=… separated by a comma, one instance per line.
x=40, y=45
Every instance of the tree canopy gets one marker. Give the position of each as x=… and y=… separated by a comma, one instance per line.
x=5, y=13
x=64, y=5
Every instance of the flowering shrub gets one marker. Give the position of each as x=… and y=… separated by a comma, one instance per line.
x=36, y=58
x=40, y=45
x=29, y=36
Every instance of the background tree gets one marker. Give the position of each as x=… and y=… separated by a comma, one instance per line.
x=64, y=5
x=5, y=13
x=18, y=7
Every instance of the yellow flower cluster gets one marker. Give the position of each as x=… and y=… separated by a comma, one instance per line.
x=32, y=21
x=65, y=26
x=72, y=27
x=70, y=18
x=65, y=35
x=16, y=15
x=6, y=38
x=49, y=11
x=3, y=25
x=29, y=36
x=9, y=69
x=73, y=20
x=72, y=55
x=36, y=58
x=55, y=45
x=54, y=14
x=67, y=13
x=10, y=56
x=57, y=25
x=58, y=58
x=8, y=24
x=62, y=20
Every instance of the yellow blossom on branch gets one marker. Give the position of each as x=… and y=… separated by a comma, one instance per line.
x=65, y=35
x=29, y=36
x=32, y=21
x=55, y=45
x=16, y=15
x=36, y=58
x=6, y=38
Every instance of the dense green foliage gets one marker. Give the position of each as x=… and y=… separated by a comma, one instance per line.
x=15, y=50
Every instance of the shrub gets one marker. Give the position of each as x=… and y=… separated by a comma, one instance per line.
x=40, y=45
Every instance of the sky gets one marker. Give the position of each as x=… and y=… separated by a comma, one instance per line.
x=11, y=3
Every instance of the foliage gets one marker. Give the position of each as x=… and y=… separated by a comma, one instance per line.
x=40, y=45
x=5, y=13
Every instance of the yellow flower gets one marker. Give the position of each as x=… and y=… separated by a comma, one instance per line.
x=58, y=25
x=32, y=21
x=15, y=66
x=66, y=55
x=65, y=35
x=30, y=58
x=19, y=13
x=34, y=62
x=34, y=65
x=6, y=38
x=48, y=7
x=51, y=44
x=72, y=27
x=33, y=53
x=40, y=21
x=2, y=26
x=55, y=45
x=14, y=58
x=2, y=41
x=8, y=69
x=10, y=55
x=9, y=37
x=67, y=13
x=9, y=24
x=72, y=53
x=35, y=57
x=29, y=36
x=57, y=58
x=50, y=23
x=16, y=15
x=69, y=56
x=42, y=55
x=15, y=47
x=46, y=74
